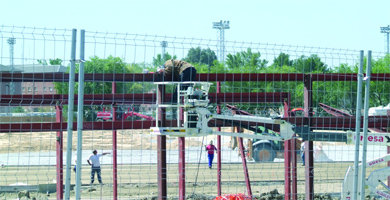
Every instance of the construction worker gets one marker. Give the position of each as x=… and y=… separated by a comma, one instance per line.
x=210, y=153
x=93, y=160
x=178, y=71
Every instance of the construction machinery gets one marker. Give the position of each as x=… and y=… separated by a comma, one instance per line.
x=106, y=115
x=192, y=104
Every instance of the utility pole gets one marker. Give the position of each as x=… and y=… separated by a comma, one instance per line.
x=386, y=29
x=11, y=42
x=164, y=45
x=221, y=26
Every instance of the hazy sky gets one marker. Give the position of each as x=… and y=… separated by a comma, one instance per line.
x=342, y=24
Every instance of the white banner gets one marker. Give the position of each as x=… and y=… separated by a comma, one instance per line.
x=372, y=138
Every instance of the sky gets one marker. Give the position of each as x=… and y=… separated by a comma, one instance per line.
x=341, y=24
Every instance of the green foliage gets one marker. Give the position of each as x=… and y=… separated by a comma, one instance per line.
x=338, y=94
x=245, y=62
x=379, y=90
x=18, y=109
x=159, y=60
x=56, y=61
x=311, y=64
x=201, y=56
x=282, y=60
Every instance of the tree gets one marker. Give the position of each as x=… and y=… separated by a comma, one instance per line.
x=201, y=56
x=282, y=59
x=245, y=61
x=311, y=64
x=379, y=90
x=56, y=61
x=159, y=60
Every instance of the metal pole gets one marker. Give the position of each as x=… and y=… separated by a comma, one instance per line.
x=365, y=126
x=59, y=160
x=221, y=46
x=244, y=165
x=287, y=169
x=70, y=115
x=219, y=171
x=164, y=44
x=357, y=128
x=80, y=111
x=182, y=174
x=11, y=42
x=309, y=164
x=114, y=149
x=161, y=148
x=387, y=42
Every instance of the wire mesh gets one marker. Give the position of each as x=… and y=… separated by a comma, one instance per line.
x=269, y=80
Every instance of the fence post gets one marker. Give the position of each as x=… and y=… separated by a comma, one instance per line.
x=357, y=127
x=114, y=148
x=182, y=175
x=161, y=148
x=309, y=164
x=59, y=157
x=365, y=126
x=219, y=171
x=70, y=115
x=287, y=170
x=80, y=112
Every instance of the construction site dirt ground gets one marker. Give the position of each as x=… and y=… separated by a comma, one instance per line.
x=139, y=181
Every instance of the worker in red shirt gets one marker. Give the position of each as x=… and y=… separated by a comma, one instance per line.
x=210, y=151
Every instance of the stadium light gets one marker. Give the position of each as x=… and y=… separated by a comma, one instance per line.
x=221, y=26
x=386, y=29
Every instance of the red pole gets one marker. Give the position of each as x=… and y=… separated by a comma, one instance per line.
x=114, y=148
x=182, y=175
x=246, y=174
x=294, y=188
x=287, y=170
x=309, y=164
x=294, y=180
x=161, y=150
x=287, y=160
x=219, y=164
x=59, y=160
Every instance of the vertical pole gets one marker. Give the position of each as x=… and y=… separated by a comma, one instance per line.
x=388, y=164
x=59, y=148
x=161, y=149
x=70, y=115
x=182, y=175
x=357, y=127
x=246, y=174
x=287, y=162
x=365, y=126
x=219, y=164
x=80, y=112
x=387, y=42
x=287, y=170
x=294, y=187
x=114, y=149
x=309, y=164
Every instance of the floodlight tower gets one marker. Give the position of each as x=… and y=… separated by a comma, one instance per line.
x=164, y=45
x=221, y=26
x=386, y=30
x=11, y=42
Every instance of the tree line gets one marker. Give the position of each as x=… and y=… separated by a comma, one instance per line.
x=339, y=94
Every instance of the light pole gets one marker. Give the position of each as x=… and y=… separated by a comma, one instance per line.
x=221, y=26
x=163, y=44
x=386, y=29
x=11, y=42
